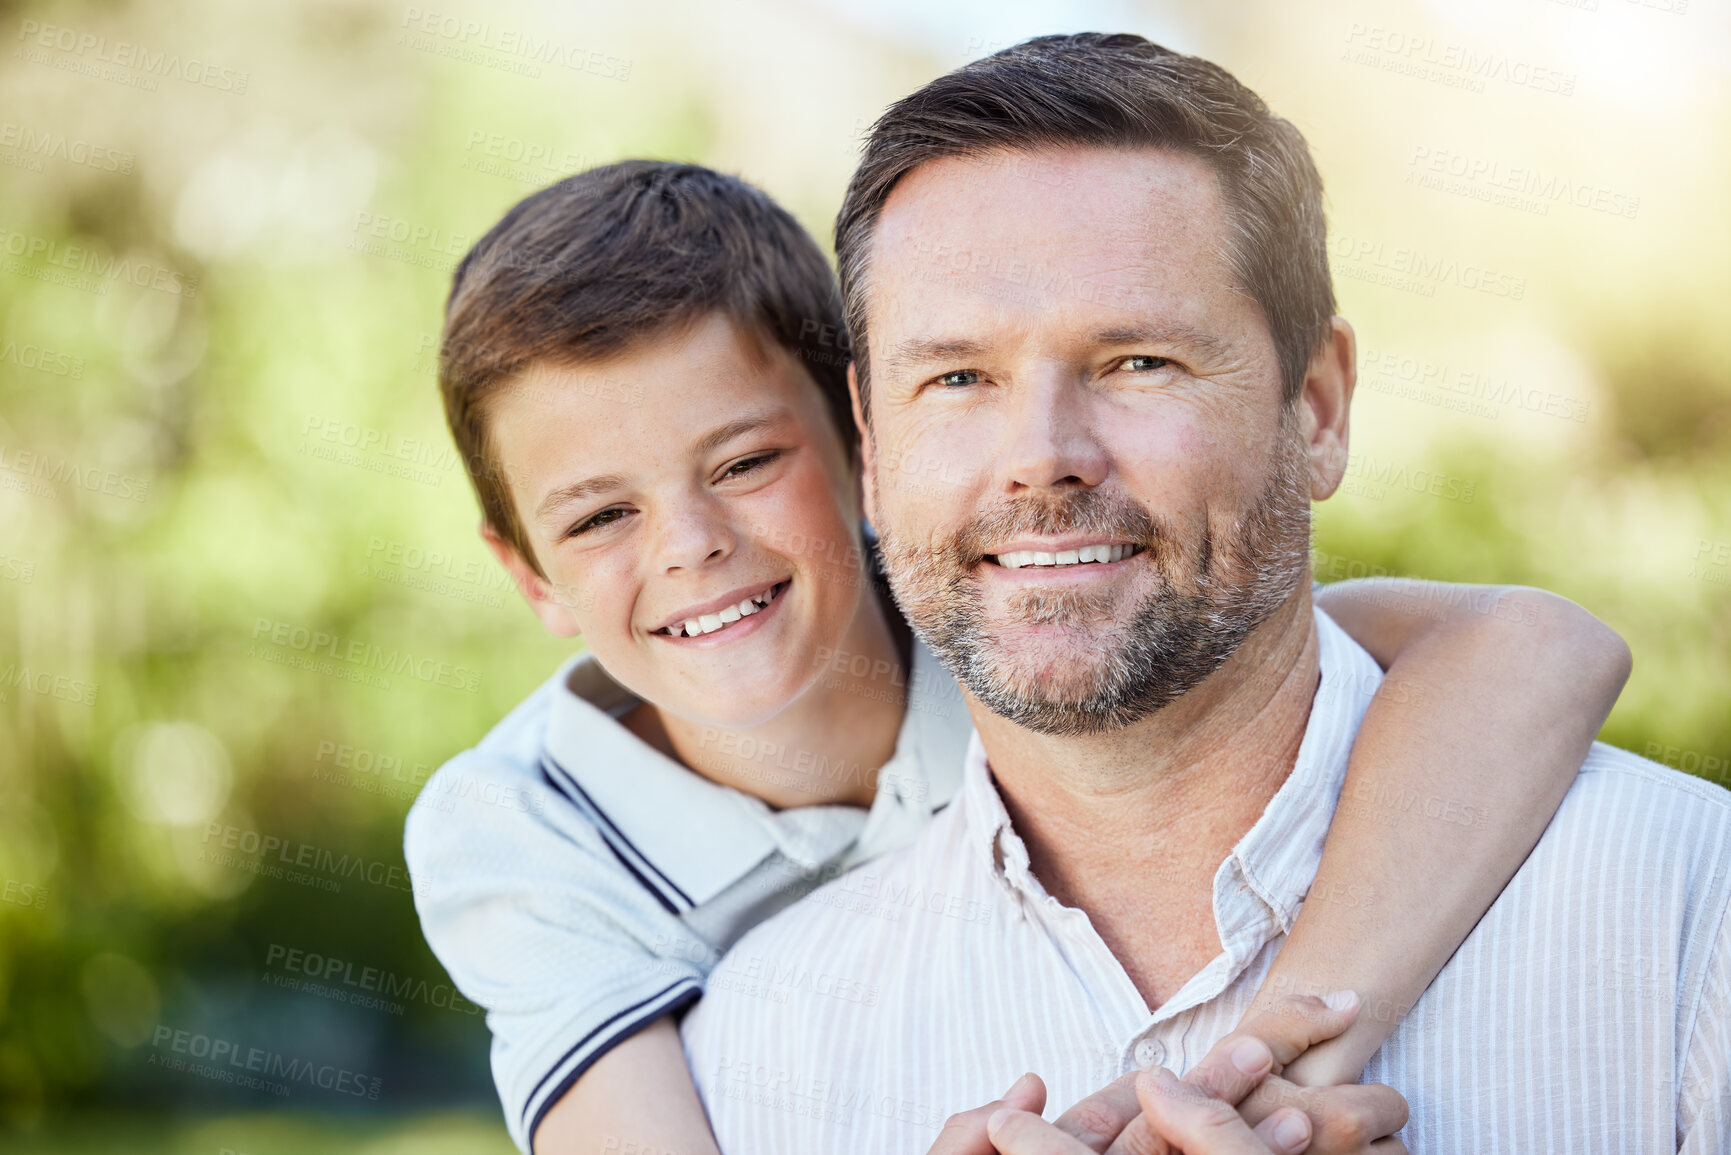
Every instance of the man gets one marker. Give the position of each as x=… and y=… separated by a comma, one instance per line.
x=1089, y=276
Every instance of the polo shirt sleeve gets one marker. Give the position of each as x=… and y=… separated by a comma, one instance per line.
x=539, y=923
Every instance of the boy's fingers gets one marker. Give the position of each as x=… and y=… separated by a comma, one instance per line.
x=1097, y=1120
x=1289, y=1026
x=1233, y=1068
x=1014, y=1132
x=1191, y=1119
x=1345, y=1118
x=964, y=1133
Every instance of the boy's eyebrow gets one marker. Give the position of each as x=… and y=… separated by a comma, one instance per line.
x=709, y=442
x=722, y=434
x=576, y=491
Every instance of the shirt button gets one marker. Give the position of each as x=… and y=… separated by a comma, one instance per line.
x=1149, y=1053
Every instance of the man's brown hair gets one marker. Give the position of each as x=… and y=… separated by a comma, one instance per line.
x=591, y=266
x=1115, y=91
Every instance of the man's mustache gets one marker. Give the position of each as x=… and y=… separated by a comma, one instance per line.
x=1089, y=513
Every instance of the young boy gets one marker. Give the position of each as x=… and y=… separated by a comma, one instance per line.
x=641, y=367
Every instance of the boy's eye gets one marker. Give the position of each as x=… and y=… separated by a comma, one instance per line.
x=605, y=517
x=1143, y=363
x=745, y=465
x=958, y=378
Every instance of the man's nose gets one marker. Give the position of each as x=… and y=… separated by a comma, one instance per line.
x=693, y=533
x=1050, y=441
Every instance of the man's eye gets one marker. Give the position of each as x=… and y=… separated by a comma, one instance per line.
x=1144, y=363
x=605, y=517
x=958, y=378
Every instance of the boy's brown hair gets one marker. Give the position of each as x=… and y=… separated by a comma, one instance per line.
x=591, y=266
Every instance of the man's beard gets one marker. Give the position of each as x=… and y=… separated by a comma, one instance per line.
x=1208, y=599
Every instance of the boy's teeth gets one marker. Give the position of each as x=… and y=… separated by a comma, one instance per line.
x=726, y=616
x=1017, y=559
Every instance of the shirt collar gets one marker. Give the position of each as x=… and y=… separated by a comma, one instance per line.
x=702, y=836
x=1276, y=860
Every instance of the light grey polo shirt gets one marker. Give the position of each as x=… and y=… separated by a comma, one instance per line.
x=579, y=884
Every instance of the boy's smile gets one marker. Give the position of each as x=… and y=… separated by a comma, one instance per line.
x=690, y=536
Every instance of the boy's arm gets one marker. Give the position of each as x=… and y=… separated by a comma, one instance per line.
x=540, y=925
x=1492, y=699
x=638, y=1097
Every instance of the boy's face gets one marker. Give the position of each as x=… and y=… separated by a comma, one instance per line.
x=694, y=483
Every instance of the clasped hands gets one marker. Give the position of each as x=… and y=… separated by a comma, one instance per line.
x=1233, y=1102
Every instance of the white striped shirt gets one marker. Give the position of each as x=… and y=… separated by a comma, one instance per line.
x=579, y=885
x=1590, y=1010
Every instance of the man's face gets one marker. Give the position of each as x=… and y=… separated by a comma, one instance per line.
x=1064, y=368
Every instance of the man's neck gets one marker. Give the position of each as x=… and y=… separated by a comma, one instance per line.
x=1130, y=826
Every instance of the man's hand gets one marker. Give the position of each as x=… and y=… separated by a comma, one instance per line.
x=1183, y=1119
x=965, y=1133
x=1242, y=1069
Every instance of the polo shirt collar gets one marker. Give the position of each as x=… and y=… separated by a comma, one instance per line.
x=699, y=837
x=695, y=834
x=1275, y=862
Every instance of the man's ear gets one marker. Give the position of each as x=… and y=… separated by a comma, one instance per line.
x=553, y=610
x=1324, y=407
x=865, y=445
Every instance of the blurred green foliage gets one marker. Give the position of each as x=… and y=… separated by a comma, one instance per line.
x=275, y=468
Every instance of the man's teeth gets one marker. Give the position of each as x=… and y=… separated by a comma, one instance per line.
x=726, y=616
x=1016, y=559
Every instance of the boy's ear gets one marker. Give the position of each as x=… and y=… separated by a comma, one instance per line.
x=541, y=595
x=865, y=445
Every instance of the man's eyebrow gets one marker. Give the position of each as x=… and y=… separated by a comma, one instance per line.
x=924, y=350
x=1183, y=336
x=916, y=351
x=707, y=443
